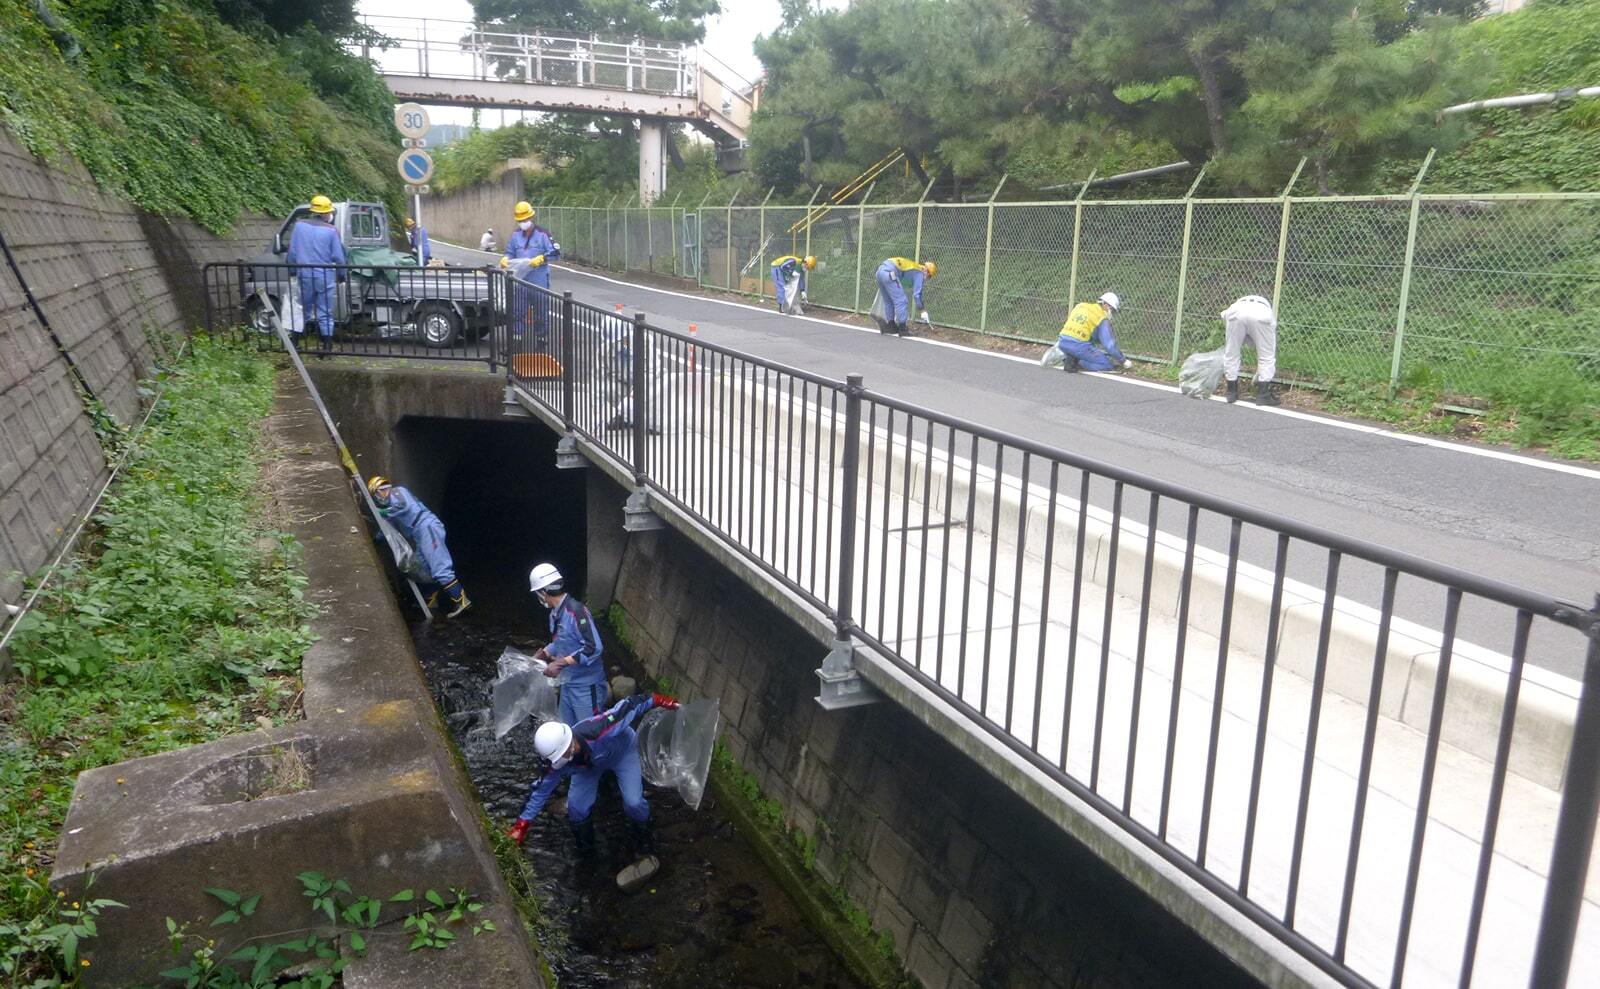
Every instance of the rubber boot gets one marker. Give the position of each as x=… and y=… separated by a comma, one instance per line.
x=583, y=836
x=903, y=329
x=885, y=327
x=325, y=347
x=1265, y=394
x=458, y=599
x=1233, y=391
x=1070, y=365
x=642, y=835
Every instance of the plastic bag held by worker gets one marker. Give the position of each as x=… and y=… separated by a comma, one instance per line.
x=1201, y=373
x=520, y=691
x=791, y=294
x=878, y=310
x=1052, y=357
x=675, y=748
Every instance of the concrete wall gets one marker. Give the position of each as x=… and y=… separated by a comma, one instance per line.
x=974, y=886
x=461, y=218
x=105, y=274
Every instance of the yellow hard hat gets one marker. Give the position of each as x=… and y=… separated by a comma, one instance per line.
x=522, y=212
x=410, y=223
x=810, y=262
x=931, y=268
x=375, y=482
x=321, y=204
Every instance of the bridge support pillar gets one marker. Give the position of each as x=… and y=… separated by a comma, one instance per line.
x=842, y=684
x=653, y=138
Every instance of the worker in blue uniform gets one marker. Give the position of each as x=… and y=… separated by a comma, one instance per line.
x=573, y=653
x=530, y=243
x=892, y=293
x=315, y=248
x=1086, y=338
x=417, y=237
x=607, y=742
x=423, y=530
x=785, y=268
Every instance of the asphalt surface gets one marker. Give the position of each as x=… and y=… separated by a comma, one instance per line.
x=1515, y=519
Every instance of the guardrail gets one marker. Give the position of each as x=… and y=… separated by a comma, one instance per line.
x=1275, y=744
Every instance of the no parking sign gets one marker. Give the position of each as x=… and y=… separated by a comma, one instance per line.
x=416, y=166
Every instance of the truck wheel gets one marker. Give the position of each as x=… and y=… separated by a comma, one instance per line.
x=258, y=316
x=438, y=324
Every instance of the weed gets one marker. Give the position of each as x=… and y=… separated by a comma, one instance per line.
x=617, y=621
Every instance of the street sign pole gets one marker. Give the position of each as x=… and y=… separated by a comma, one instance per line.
x=415, y=164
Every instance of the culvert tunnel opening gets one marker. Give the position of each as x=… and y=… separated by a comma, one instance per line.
x=714, y=915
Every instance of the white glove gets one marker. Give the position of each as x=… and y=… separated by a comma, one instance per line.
x=803, y=297
x=924, y=317
x=556, y=247
x=1126, y=362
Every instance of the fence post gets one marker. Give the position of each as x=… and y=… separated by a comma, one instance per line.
x=728, y=238
x=1405, y=275
x=641, y=403
x=761, y=245
x=626, y=203
x=569, y=391
x=609, y=262
x=861, y=231
x=842, y=685
x=807, y=221
x=988, y=244
x=916, y=248
x=1077, y=227
x=1183, y=261
x=1283, y=237
x=1575, y=827
x=649, y=239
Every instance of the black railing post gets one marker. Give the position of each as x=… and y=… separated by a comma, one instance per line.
x=842, y=685
x=569, y=388
x=1575, y=826
x=639, y=402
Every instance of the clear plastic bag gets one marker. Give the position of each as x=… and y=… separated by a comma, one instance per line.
x=879, y=310
x=791, y=294
x=1052, y=357
x=675, y=748
x=1201, y=373
x=521, y=691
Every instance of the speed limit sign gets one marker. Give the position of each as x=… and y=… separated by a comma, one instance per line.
x=411, y=120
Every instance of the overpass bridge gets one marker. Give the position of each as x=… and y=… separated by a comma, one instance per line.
x=460, y=63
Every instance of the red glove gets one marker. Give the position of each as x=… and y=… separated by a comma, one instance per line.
x=663, y=701
x=518, y=830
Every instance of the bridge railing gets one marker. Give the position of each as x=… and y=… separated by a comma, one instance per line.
x=463, y=50
x=1384, y=797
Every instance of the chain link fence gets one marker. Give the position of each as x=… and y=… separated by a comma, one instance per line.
x=1459, y=294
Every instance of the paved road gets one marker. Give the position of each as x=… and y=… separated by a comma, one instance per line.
x=1519, y=520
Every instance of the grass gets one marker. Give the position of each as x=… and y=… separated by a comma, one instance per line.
x=181, y=619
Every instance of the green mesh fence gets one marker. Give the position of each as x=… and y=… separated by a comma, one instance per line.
x=1456, y=293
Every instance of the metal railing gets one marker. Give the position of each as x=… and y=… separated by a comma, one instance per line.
x=432, y=313
x=1467, y=296
x=1224, y=715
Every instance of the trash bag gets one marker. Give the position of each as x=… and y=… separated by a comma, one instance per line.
x=879, y=310
x=293, y=314
x=675, y=748
x=521, y=690
x=1052, y=357
x=1201, y=373
x=790, y=303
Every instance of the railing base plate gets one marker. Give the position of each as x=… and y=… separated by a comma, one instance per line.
x=637, y=515
x=567, y=455
x=842, y=685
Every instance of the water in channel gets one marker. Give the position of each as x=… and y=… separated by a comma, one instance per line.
x=711, y=917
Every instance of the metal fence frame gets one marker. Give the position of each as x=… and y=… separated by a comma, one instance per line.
x=1370, y=288
x=636, y=378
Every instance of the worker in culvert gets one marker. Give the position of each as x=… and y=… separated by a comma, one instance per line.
x=607, y=742
x=423, y=530
x=1251, y=318
x=530, y=243
x=315, y=248
x=1086, y=338
x=417, y=237
x=784, y=270
x=892, y=293
x=572, y=656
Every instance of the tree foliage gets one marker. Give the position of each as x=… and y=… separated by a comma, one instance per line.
x=675, y=21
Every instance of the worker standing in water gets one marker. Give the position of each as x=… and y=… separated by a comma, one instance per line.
x=892, y=293
x=423, y=530
x=315, y=248
x=573, y=653
x=1086, y=337
x=417, y=237
x=784, y=271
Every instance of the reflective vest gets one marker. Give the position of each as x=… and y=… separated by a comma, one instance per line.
x=786, y=259
x=904, y=264
x=1083, y=320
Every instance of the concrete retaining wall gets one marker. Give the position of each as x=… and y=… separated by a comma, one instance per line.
x=106, y=276
x=462, y=217
x=974, y=885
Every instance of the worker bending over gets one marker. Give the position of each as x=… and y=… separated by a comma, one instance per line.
x=417, y=237
x=423, y=530
x=1251, y=318
x=607, y=742
x=573, y=653
x=315, y=247
x=783, y=270
x=893, y=294
x=1086, y=337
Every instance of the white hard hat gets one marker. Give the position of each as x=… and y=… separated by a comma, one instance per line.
x=552, y=741
x=1111, y=302
x=543, y=576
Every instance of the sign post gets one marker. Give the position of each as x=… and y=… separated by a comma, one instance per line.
x=415, y=164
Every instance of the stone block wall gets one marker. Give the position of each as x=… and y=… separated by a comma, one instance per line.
x=975, y=886
x=462, y=217
x=106, y=275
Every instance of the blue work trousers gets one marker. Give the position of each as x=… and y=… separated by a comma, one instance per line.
x=586, y=782
x=581, y=701
x=317, y=291
x=1090, y=357
x=894, y=294
x=433, y=554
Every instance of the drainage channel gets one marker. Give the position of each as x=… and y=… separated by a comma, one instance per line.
x=713, y=916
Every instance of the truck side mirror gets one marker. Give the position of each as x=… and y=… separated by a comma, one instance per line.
x=277, y=242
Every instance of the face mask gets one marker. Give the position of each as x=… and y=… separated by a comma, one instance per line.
x=525, y=225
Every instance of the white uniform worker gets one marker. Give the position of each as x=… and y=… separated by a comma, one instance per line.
x=1251, y=318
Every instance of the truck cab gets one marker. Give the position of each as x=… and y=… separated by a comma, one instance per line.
x=359, y=225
